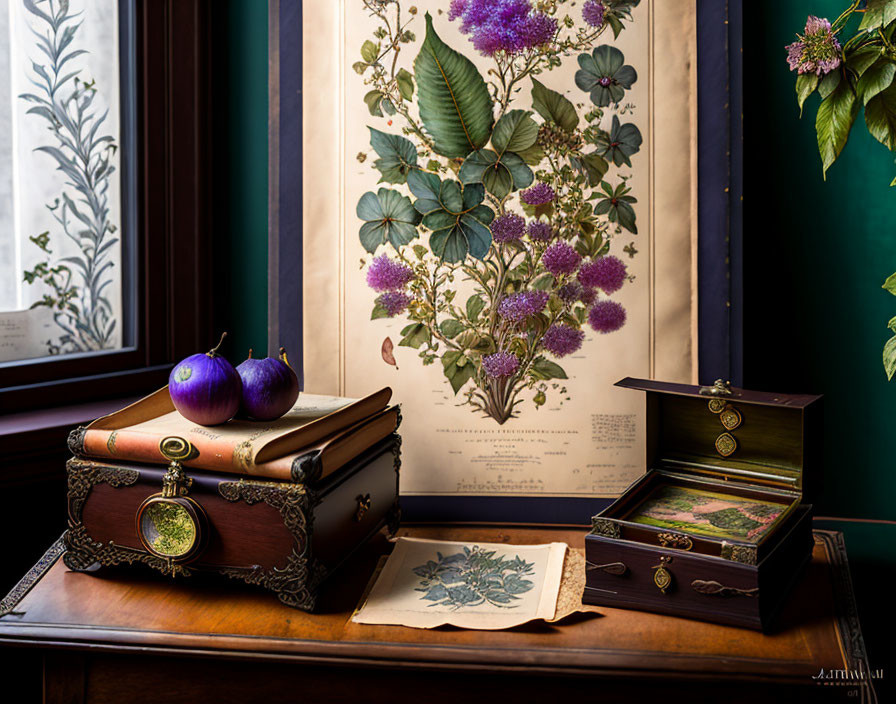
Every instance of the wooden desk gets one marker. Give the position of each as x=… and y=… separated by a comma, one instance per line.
x=130, y=635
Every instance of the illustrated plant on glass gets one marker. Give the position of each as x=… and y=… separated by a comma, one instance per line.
x=474, y=577
x=84, y=155
x=521, y=203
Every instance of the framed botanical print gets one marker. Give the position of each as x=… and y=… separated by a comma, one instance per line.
x=499, y=220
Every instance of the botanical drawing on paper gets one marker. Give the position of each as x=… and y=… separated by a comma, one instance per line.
x=707, y=513
x=500, y=184
x=84, y=153
x=474, y=577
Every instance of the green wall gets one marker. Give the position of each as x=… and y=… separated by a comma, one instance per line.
x=816, y=254
x=240, y=97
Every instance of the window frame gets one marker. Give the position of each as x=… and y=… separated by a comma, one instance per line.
x=171, y=286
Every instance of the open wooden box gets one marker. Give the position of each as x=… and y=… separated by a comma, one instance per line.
x=717, y=528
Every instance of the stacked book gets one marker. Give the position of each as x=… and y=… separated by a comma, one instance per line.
x=277, y=504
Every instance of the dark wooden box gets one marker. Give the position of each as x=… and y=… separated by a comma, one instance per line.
x=286, y=537
x=717, y=528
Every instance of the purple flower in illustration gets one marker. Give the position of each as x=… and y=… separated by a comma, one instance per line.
x=570, y=292
x=817, y=51
x=539, y=194
x=606, y=273
x=385, y=274
x=607, y=316
x=507, y=227
x=500, y=364
x=540, y=231
x=561, y=340
x=394, y=302
x=518, y=306
x=510, y=26
x=593, y=13
x=560, y=258
x=588, y=295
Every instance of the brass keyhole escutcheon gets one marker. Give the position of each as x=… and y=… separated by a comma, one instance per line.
x=662, y=577
x=363, y=506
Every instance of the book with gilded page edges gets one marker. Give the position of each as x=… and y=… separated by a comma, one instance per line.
x=316, y=437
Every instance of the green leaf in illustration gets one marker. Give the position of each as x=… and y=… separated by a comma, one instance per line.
x=621, y=143
x=374, y=100
x=835, y=116
x=880, y=117
x=592, y=165
x=378, y=312
x=890, y=357
x=499, y=174
x=451, y=328
x=878, y=13
x=616, y=204
x=456, y=216
x=388, y=217
x=516, y=131
x=414, y=335
x=554, y=107
x=369, y=51
x=806, y=83
x=405, y=82
x=453, y=99
x=457, y=368
x=877, y=78
x=605, y=75
x=475, y=304
x=533, y=155
x=545, y=369
x=890, y=284
x=397, y=155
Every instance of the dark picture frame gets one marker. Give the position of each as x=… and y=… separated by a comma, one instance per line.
x=720, y=231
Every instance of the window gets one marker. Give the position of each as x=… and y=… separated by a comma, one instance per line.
x=65, y=122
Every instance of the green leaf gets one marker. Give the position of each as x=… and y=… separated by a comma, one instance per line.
x=545, y=282
x=499, y=174
x=475, y=304
x=827, y=84
x=405, y=82
x=892, y=324
x=516, y=131
x=592, y=165
x=374, y=101
x=890, y=284
x=835, y=117
x=468, y=235
x=554, y=107
x=457, y=369
x=458, y=221
x=451, y=328
x=533, y=155
x=890, y=357
x=604, y=74
x=546, y=369
x=806, y=83
x=415, y=335
x=880, y=117
x=397, y=155
x=388, y=217
x=859, y=61
x=622, y=142
x=378, y=312
x=369, y=51
x=876, y=79
x=453, y=99
x=878, y=13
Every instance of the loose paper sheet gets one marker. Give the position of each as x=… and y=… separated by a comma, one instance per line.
x=485, y=586
x=587, y=440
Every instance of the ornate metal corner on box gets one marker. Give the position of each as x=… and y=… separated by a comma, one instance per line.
x=604, y=527
x=747, y=554
x=393, y=518
x=76, y=440
x=295, y=584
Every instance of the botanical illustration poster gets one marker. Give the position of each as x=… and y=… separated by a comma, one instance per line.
x=60, y=185
x=429, y=583
x=708, y=513
x=499, y=219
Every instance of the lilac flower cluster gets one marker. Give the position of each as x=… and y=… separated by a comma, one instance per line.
x=593, y=13
x=511, y=26
x=507, y=227
x=607, y=316
x=518, y=306
x=385, y=274
x=539, y=194
x=394, y=302
x=570, y=292
x=605, y=273
x=561, y=340
x=560, y=258
x=540, y=231
x=816, y=51
x=500, y=364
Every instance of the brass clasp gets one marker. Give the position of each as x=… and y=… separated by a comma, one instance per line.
x=176, y=482
x=662, y=578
